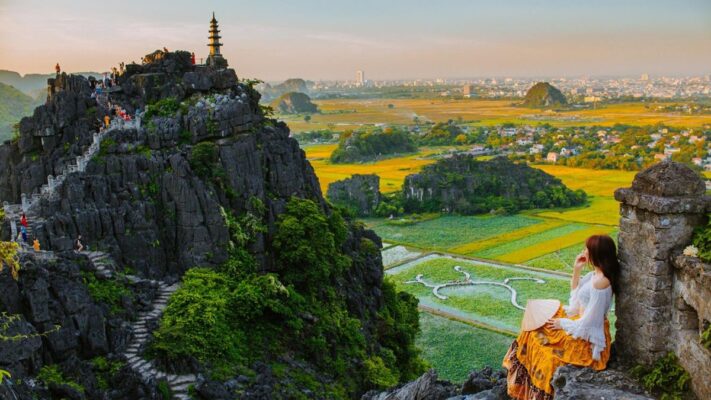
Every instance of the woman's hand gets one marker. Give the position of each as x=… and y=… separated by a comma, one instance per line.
x=581, y=260
x=553, y=323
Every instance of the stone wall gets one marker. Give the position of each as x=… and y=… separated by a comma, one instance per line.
x=664, y=299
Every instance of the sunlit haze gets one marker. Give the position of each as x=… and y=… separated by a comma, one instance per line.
x=320, y=39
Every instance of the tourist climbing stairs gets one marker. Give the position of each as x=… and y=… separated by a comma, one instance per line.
x=179, y=384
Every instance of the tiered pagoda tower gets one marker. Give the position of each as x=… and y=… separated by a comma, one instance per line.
x=215, y=59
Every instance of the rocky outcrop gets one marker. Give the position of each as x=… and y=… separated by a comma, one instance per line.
x=543, y=94
x=466, y=185
x=360, y=193
x=574, y=383
x=152, y=201
x=427, y=387
x=60, y=322
x=664, y=302
x=294, y=103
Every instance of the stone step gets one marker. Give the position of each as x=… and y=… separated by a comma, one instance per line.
x=178, y=379
x=183, y=387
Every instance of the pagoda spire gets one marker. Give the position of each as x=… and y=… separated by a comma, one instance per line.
x=215, y=58
x=214, y=37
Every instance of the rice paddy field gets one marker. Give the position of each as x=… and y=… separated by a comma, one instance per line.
x=454, y=348
x=488, y=304
x=392, y=171
x=343, y=114
x=537, y=238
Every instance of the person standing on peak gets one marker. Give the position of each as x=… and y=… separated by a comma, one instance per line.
x=57, y=68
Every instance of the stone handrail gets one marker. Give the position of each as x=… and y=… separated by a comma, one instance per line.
x=49, y=190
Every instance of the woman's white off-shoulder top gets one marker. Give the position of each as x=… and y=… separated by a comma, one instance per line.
x=592, y=305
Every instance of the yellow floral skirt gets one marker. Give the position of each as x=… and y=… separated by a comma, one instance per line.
x=535, y=355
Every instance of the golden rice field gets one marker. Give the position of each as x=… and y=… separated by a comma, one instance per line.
x=392, y=171
x=343, y=114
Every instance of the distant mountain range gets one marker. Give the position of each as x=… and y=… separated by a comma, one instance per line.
x=13, y=106
x=19, y=95
x=31, y=83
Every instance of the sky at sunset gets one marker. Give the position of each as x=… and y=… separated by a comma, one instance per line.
x=393, y=39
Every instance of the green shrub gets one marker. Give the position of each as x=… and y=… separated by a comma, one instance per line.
x=702, y=240
x=105, y=145
x=167, y=107
x=377, y=374
x=665, y=377
x=105, y=370
x=50, y=374
x=706, y=337
x=108, y=291
x=164, y=390
x=203, y=159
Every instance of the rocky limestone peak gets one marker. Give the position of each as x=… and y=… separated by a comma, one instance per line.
x=669, y=179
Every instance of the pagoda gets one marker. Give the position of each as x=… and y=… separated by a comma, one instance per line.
x=215, y=59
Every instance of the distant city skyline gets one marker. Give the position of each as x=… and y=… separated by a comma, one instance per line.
x=330, y=40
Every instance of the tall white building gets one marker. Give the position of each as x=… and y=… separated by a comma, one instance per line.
x=360, y=78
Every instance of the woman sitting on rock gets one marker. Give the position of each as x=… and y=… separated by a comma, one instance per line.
x=578, y=334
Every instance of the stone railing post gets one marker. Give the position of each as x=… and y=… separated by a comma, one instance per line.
x=25, y=202
x=658, y=215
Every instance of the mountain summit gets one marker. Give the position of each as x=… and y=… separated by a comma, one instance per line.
x=543, y=94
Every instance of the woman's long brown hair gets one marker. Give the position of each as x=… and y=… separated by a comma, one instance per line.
x=603, y=254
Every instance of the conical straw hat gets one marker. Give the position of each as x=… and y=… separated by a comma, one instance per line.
x=537, y=313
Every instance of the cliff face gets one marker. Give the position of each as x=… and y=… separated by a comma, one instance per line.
x=151, y=198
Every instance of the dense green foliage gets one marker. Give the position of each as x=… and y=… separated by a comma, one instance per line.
x=230, y=317
x=203, y=159
x=51, y=374
x=371, y=143
x=464, y=185
x=543, y=94
x=317, y=136
x=443, y=133
x=104, y=370
x=167, y=107
x=13, y=106
x=702, y=240
x=108, y=291
x=665, y=377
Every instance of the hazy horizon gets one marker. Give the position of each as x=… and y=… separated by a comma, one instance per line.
x=330, y=40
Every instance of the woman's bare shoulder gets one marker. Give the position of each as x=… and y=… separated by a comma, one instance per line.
x=600, y=282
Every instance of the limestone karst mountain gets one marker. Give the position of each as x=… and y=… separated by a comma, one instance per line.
x=294, y=103
x=543, y=94
x=282, y=296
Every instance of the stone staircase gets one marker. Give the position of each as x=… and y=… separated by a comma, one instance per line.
x=179, y=384
x=104, y=264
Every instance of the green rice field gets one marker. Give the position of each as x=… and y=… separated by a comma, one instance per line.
x=454, y=348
